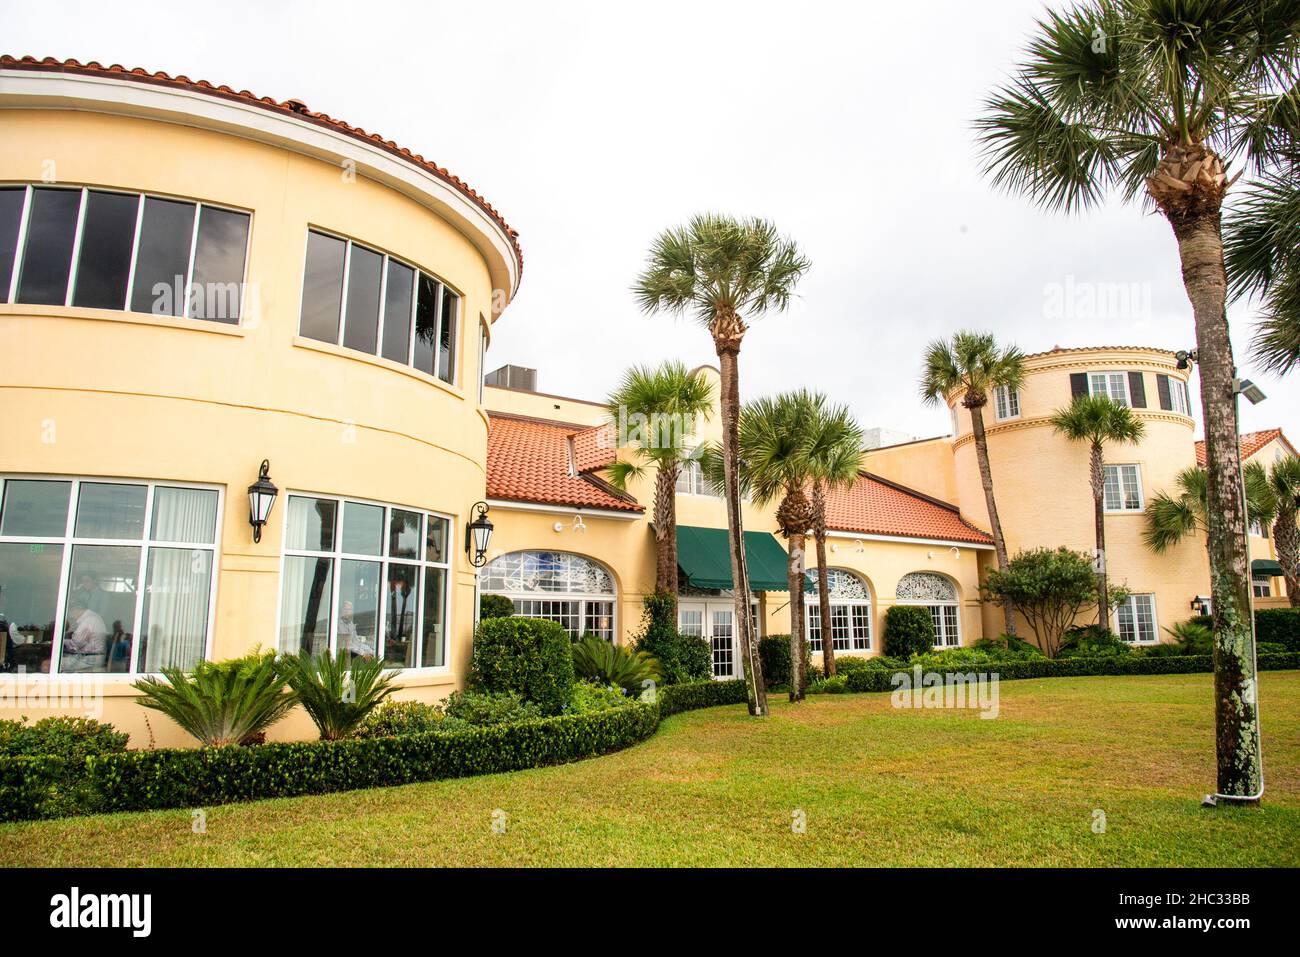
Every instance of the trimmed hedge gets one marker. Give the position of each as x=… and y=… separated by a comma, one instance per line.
x=532, y=657
x=198, y=777
x=675, y=699
x=909, y=630
x=880, y=679
x=30, y=786
x=1280, y=626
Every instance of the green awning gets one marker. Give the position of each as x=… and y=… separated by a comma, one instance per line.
x=1265, y=568
x=705, y=559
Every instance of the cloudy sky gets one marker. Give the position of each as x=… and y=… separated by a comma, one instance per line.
x=594, y=126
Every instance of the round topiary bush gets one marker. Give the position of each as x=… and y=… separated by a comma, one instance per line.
x=909, y=630
x=495, y=606
x=529, y=656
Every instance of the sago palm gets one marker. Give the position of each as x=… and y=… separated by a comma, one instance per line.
x=654, y=409
x=724, y=272
x=335, y=692
x=1097, y=420
x=775, y=444
x=1159, y=97
x=973, y=364
x=1273, y=495
x=835, y=455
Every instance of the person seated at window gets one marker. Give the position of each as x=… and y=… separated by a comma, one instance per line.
x=359, y=646
x=86, y=643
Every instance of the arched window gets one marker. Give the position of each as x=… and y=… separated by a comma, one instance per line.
x=850, y=611
x=569, y=589
x=939, y=595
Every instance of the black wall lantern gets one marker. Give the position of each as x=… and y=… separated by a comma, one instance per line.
x=261, y=499
x=478, y=534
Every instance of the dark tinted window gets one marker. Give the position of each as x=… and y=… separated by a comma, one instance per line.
x=361, y=325
x=47, y=255
x=426, y=324
x=104, y=261
x=447, y=338
x=322, y=288
x=163, y=261
x=11, y=215
x=219, y=264
x=397, y=312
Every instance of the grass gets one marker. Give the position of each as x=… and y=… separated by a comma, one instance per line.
x=878, y=786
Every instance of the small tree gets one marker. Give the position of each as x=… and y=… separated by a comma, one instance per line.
x=1050, y=587
x=909, y=630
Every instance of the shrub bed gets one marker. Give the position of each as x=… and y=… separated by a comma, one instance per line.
x=880, y=679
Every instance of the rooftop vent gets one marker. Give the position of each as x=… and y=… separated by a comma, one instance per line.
x=513, y=377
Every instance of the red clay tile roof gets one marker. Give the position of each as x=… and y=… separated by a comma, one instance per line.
x=593, y=448
x=291, y=107
x=873, y=506
x=528, y=461
x=1251, y=442
x=1060, y=350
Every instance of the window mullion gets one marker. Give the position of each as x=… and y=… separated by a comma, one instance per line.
x=65, y=568
x=76, y=247
x=343, y=294
x=135, y=250
x=23, y=220
x=189, y=269
x=142, y=585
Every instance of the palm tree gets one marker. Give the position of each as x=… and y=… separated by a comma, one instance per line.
x=1098, y=419
x=663, y=403
x=723, y=271
x=1263, y=258
x=1272, y=495
x=775, y=441
x=1172, y=517
x=1158, y=96
x=973, y=364
x=836, y=457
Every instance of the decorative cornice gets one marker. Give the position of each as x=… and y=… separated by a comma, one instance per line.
x=1016, y=425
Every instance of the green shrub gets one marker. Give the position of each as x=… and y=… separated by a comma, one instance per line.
x=336, y=693
x=675, y=699
x=596, y=659
x=845, y=664
x=223, y=702
x=72, y=738
x=1269, y=648
x=1091, y=641
x=909, y=630
x=774, y=653
x=591, y=696
x=837, y=685
x=400, y=717
x=495, y=606
x=1009, y=646
x=482, y=709
x=530, y=656
x=1279, y=626
x=1190, y=638
x=681, y=657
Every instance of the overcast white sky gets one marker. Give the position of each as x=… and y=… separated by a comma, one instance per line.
x=593, y=126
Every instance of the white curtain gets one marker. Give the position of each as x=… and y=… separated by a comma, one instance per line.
x=176, y=608
x=184, y=515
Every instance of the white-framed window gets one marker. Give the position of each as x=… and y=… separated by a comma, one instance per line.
x=691, y=480
x=1122, y=488
x=363, y=299
x=939, y=595
x=365, y=577
x=1113, y=384
x=575, y=591
x=850, y=611
x=1006, y=402
x=110, y=249
x=90, y=565
x=1179, y=397
x=1258, y=528
x=482, y=356
x=1262, y=587
x=1135, y=619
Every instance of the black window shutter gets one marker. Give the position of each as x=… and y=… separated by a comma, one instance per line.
x=1137, y=390
x=1078, y=384
x=1162, y=386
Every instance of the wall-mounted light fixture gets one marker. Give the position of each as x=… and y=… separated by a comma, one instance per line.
x=578, y=525
x=478, y=534
x=261, y=499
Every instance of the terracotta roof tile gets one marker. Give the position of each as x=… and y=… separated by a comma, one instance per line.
x=528, y=461
x=593, y=448
x=295, y=107
x=875, y=507
x=1251, y=442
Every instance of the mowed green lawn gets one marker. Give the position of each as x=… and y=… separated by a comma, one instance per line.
x=878, y=786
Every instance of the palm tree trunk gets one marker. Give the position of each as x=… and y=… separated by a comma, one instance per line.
x=795, y=572
x=823, y=586
x=665, y=511
x=727, y=342
x=1287, y=540
x=1200, y=249
x=1098, y=480
x=986, y=479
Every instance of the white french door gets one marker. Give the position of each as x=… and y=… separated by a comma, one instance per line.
x=715, y=622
